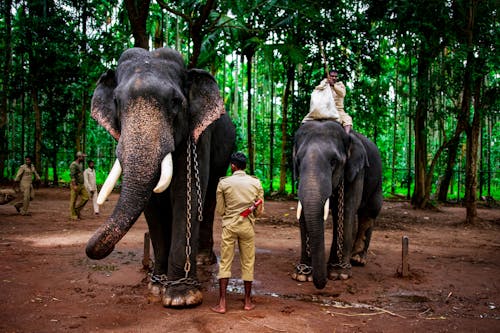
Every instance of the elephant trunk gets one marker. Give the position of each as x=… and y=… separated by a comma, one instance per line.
x=141, y=163
x=313, y=193
x=313, y=207
x=128, y=209
x=315, y=230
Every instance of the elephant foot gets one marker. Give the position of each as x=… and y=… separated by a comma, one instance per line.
x=339, y=271
x=154, y=292
x=359, y=259
x=182, y=295
x=206, y=258
x=155, y=287
x=302, y=273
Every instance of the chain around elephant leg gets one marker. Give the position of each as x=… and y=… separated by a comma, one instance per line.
x=339, y=271
x=302, y=273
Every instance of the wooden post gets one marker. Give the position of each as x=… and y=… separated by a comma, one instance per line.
x=146, y=258
x=405, y=267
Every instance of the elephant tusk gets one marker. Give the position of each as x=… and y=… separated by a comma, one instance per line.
x=166, y=174
x=299, y=210
x=110, y=182
x=327, y=209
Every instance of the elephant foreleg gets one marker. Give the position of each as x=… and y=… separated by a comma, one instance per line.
x=303, y=271
x=363, y=237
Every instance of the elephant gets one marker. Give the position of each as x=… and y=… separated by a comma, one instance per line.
x=341, y=172
x=174, y=141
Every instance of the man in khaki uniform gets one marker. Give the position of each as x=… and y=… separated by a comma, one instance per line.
x=237, y=196
x=322, y=108
x=25, y=178
x=338, y=90
x=77, y=187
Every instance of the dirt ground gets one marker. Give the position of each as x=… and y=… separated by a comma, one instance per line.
x=47, y=284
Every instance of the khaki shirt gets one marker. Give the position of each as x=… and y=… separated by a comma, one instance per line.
x=235, y=194
x=76, y=172
x=25, y=174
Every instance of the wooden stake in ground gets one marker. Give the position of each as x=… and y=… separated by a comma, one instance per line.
x=146, y=257
x=405, y=270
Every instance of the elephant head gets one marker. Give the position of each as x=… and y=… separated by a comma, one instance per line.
x=150, y=105
x=324, y=155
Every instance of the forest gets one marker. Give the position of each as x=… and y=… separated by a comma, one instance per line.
x=422, y=78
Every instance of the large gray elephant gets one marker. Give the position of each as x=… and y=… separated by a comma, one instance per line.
x=174, y=143
x=341, y=172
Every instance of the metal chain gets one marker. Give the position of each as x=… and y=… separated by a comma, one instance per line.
x=163, y=280
x=303, y=269
x=198, y=185
x=340, y=265
x=155, y=278
x=340, y=221
x=187, y=265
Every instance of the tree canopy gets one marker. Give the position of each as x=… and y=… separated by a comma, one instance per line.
x=422, y=81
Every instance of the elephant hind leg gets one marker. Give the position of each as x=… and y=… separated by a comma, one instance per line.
x=363, y=237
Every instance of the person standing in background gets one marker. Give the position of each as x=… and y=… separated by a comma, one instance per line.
x=77, y=187
x=89, y=181
x=25, y=179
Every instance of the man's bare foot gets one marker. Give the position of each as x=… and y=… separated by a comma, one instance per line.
x=219, y=309
x=249, y=307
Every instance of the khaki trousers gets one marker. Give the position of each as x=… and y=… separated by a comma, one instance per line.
x=74, y=208
x=243, y=233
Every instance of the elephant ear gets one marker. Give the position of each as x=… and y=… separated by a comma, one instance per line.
x=356, y=158
x=205, y=102
x=103, y=104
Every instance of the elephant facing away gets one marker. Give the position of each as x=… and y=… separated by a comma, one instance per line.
x=174, y=141
x=335, y=167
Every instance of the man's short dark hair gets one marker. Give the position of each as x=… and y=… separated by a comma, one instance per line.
x=90, y=161
x=239, y=160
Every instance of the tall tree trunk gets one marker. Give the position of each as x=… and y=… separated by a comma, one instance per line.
x=451, y=159
x=138, y=12
x=395, y=127
x=471, y=166
x=4, y=95
x=419, y=198
x=271, y=139
x=290, y=72
x=38, y=128
x=82, y=120
x=249, y=55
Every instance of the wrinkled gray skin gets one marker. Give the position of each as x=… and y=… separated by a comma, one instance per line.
x=324, y=154
x=151, y=105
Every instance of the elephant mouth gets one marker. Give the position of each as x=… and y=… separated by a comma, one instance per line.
x=116, y=171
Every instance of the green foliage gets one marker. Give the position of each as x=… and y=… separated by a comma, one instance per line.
x=59, y=52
